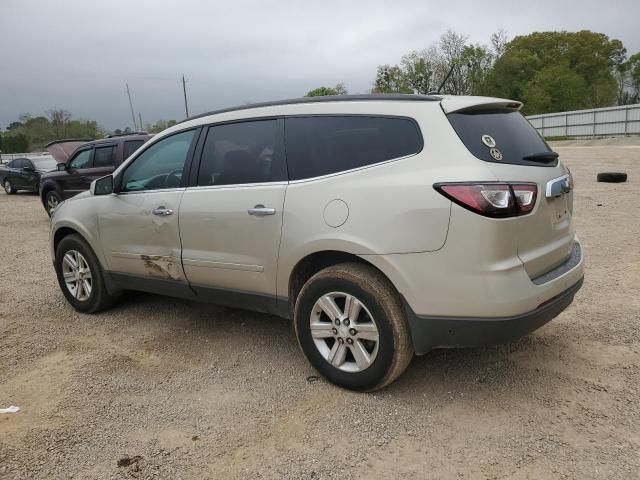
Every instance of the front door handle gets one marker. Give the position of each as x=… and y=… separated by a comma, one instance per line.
x=261, y=211
x=162, y=211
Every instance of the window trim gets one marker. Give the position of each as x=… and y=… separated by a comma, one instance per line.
x=186, y=171
x=197, y=162
x=365, y=115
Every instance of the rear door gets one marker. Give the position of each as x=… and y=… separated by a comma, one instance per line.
x=515, y=152
x=231, y=219
x=104, y=162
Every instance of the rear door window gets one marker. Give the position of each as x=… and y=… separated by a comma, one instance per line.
x=321, y=145
x=104, y=156
x=507, y=131
x=243, y=152
x=130, y=147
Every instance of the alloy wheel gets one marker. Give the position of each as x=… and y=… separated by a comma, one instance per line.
x=344, y=332
x=52, y=203
x=77, y=275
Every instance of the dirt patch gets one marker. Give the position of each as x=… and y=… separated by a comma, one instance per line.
x=187, y=390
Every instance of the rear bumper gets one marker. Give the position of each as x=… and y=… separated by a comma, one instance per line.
x=429, y=332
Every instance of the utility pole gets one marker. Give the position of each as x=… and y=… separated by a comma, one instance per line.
x=184, y=90
x=140, y=116
x=133, y=115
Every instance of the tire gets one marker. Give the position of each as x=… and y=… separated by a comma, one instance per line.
x=380, y=309
x=51, y=200
x=8, y=187
x=612, y=177
x=98, y=298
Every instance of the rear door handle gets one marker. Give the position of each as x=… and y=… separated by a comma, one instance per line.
x=261, y=211
x=162, y=211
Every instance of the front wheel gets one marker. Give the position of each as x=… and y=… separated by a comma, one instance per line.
x=80, y=275
x=8, y=187
x=51, y=201
x=351, y=326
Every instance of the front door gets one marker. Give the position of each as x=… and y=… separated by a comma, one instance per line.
x=139, y=224
x=78, y=167
x=231, y=222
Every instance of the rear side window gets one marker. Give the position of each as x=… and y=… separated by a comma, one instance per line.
x=507, y=131
x=244, y=152
x=104, y=156
x=131, y=146
x=322, y=145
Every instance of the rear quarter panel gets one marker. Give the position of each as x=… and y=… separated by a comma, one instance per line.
x=392, y=207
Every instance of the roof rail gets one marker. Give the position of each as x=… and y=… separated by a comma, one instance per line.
x=328, y=98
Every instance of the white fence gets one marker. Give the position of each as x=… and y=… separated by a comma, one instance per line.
x=7, y=157
x=597, y=122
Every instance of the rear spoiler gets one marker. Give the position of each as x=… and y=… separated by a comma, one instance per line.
x=453, y=103
x=61, y=150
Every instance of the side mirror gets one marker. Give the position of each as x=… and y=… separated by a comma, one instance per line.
x=61, y=167
x=102, y=186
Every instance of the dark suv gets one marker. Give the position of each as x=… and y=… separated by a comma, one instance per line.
x=86, y=163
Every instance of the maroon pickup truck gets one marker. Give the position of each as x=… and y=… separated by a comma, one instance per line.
x=85, y=163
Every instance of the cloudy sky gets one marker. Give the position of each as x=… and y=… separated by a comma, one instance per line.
x=78, y=54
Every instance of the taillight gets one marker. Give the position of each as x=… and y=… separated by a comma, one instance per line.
x=496, y=200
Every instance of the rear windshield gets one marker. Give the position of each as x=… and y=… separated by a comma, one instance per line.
x=507, y=131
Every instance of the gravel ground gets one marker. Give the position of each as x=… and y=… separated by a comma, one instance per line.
x=163, y=388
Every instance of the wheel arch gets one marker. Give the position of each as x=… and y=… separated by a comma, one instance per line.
x=65, y=229
x=312, y=263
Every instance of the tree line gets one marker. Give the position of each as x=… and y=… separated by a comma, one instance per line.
x=32, y=133
x=547, y=71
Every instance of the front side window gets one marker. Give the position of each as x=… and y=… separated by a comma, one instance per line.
x=322, y=145
x=104, y=156
x=159, y=166
x=241, y=153
x=81, y=160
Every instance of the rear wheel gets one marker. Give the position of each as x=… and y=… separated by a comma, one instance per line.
x=8, y=187
x=51, y=201
x=351, y=326
x=80, y=275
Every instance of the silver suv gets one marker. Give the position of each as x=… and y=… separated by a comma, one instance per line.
x=382, y=225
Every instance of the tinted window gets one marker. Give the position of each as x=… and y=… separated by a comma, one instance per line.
x=104, y=156
x=322, y=145
x=131, y=146
x=13, y=164
x=514, y=136
x=160, y=165
x=81, y=160
x=246, y=152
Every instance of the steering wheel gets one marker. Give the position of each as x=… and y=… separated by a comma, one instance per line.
x=173, y=178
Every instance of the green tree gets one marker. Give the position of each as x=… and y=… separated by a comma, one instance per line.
x=159, y=126
x=339, y=89
x=15, y=143
x=523, y=68
x=391, y=79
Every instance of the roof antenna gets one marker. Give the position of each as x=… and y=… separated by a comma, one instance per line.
x=437, y=92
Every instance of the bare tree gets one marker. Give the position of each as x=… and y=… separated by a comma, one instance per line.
x=499, y=42
x=58, y=118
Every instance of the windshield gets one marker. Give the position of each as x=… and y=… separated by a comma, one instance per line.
x=507, y=131
x=44, y=163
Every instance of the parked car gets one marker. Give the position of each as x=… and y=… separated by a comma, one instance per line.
x=88, y=161
x=382, y=225
x=25, y=173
